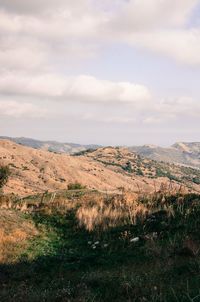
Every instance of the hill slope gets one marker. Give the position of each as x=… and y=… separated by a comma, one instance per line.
x=35, y=171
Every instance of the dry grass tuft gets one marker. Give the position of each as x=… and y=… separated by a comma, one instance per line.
x=103, y=212
x=14, y=233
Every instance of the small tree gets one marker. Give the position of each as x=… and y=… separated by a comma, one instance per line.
x=4, y=175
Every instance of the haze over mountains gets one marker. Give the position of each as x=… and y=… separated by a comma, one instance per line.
x=180, y=153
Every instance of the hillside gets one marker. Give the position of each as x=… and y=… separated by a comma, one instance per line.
x=106, y=169
x=35, y=171
x=187, y=154
x=51, y=146
x=179, y=153
x=121, y=159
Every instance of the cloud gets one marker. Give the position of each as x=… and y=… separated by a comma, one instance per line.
x=179, y=107
x=42, y=34
x=81, y=88
x=38, y=6
x=145, y=15
x=43, y=31
x=71, y=21
x=181, y=45
x=109, y=119
x=22, y=54
x=39, y=38
x=20, y=109
x=153, y=120
x=172, y=109
x=160, y=27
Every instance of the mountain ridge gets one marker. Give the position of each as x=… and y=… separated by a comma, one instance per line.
x=183, y=153
x=50, y=145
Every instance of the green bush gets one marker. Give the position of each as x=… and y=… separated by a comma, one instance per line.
x=75, y=186
x=4, y=175
x=139, y=172
x=128, y=168
x=196, y=180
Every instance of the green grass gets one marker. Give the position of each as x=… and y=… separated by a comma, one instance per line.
x=61, y=264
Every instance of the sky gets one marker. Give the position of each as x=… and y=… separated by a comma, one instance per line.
x=109, y=72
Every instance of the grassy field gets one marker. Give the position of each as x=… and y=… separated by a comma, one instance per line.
x=88, y=246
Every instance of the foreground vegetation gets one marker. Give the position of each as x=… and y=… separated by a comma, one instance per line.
x=89, y=246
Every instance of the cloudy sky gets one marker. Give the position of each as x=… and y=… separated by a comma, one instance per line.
x=107, y=72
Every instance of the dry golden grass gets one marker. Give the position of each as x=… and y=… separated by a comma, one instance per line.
x=103, y=211
x=14, y=232
x=110, y=211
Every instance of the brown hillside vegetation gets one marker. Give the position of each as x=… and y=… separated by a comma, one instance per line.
x=34, y=171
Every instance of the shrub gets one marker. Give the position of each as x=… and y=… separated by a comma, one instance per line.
x=4, y=174
x=128, y=168
x=139, y=172
x=196, y=180
x=75, y=186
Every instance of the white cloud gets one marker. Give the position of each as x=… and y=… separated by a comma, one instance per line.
x=20, y=109
x=53, y=32
x=42, y=31
x=171, y=109
x=56, y=24
x=142, y=15
x=42, y=6
x=109, y=119
x=153, y=120
x=181, y=45
x=22, y=54
x=80, y=88
x=159, y=26
x=179, y=107
x=37, y=36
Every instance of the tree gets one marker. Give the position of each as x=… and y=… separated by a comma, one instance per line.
x=4, y=175
x=128, y=167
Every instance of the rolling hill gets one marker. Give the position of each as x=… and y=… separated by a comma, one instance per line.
x=106, y=169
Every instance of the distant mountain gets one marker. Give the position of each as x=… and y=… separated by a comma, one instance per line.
x=51, y=146
x=180, y=153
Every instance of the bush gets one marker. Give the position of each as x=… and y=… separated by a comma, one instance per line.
x=139, y=172
x=4, y=175
x=75, y=186
x=196, y=180
x=128, y=168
